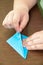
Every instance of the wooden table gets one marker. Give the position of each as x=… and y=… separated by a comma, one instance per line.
x=7, y=55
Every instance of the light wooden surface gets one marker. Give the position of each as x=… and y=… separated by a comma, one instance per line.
x=7, y=55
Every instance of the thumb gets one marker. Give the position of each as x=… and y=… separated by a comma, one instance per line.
x=24, y=21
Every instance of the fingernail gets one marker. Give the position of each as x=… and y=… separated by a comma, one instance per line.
x=20, y=29
x=24, y=43
x=29, y=43
x=32, y=47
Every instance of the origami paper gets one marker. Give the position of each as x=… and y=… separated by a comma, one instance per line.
x=16, y=43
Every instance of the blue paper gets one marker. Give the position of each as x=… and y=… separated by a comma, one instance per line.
x=16, y=43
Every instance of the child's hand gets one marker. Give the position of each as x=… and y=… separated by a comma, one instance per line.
x=17, y=18
x=34, y=42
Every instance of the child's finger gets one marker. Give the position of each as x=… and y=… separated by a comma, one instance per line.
x=24, y=22
x=35, y=47
x=8, y=20
x=16, y=20
x=33, y=36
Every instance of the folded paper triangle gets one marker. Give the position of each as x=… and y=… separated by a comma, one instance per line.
x=16, y=43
